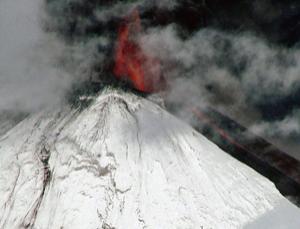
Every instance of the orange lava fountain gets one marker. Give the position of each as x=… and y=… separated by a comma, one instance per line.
x=131, y=63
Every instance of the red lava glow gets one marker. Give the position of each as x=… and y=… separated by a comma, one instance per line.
x=131, y=63
x=203, y=118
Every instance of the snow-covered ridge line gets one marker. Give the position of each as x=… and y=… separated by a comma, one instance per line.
x=124, y=162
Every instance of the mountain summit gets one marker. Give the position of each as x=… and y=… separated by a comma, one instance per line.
x=124, y=162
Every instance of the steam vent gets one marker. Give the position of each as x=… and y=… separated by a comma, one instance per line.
x=124, y=162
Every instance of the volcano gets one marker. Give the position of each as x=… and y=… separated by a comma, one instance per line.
x=124, y=162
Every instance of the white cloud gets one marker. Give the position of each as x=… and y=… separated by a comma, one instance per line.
x=29, y=75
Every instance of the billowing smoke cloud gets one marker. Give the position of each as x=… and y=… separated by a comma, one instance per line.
x=288, y=127
x=30, y=76
x=121, y=9
x=48, y=46
x=239, y=74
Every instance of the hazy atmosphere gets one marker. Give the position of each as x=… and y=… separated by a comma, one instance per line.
x=245, y=63
x=118, y=114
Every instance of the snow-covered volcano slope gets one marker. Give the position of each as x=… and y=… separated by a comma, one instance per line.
x=126, y=163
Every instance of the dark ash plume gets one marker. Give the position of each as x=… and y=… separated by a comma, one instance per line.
x=240, y=75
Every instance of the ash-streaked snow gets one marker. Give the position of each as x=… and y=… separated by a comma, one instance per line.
x=124, y=162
